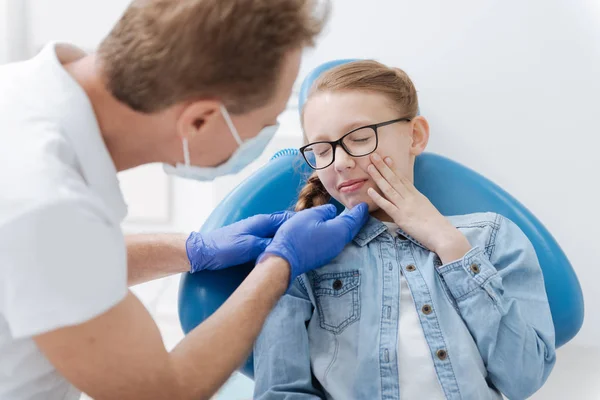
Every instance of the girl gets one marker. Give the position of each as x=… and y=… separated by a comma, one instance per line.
x=418, y=306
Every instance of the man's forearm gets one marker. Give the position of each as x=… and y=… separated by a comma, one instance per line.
x=120, y=355
x=208, y=355
x=153, y=256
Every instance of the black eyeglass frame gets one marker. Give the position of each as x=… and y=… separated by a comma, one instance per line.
x=340, y=141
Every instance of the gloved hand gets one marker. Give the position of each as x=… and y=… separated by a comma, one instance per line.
x=314, y=237
x=234, y=244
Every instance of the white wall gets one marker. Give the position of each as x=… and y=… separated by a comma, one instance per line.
x=13, y=31
x=83, y=23
x=3, y=32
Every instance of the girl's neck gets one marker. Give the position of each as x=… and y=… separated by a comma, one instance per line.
x=382, y=216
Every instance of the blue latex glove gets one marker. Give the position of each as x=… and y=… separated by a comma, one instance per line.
x=314, y=237
x=234, y=244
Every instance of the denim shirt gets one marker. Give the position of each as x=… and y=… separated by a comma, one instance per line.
x=485, y=317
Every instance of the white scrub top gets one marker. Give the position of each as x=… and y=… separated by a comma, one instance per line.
x=62, y=254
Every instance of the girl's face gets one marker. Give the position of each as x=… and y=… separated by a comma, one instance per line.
x=330, y=115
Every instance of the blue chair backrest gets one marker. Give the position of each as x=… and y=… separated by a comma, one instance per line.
x=454, y=189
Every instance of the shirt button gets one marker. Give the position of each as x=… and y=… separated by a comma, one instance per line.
x=475, y=268
x=411, y=268
x=442, y=354
x=337, y=284
x=427, y=309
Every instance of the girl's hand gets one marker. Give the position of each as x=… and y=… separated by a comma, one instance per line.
x=414, y=213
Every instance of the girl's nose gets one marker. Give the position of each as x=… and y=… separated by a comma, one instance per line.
x=343, y=160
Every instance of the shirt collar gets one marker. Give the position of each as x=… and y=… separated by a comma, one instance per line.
x=82, y=130
x=373, y=228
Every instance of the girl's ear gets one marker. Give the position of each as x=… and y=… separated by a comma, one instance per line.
x=420, y=135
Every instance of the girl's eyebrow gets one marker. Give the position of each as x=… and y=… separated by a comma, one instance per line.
x=320, y=137
x=356, y=124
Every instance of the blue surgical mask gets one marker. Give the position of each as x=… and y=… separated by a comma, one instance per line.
x=247, y=152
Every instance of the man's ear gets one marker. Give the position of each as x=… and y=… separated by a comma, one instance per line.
x=196, y=117
x=420, y=135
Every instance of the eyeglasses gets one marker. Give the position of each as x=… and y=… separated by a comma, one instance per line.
x=357, y=143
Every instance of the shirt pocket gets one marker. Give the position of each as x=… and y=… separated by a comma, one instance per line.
x=338, y=299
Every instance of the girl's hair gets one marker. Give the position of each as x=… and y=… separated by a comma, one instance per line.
x=367, y=76
x=312, y=194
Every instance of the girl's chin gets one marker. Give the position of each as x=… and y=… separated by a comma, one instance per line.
x=354, y=201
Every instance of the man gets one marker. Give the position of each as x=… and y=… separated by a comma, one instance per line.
x=188, y=83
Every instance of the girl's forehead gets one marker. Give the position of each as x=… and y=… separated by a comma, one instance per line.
x=328, y=115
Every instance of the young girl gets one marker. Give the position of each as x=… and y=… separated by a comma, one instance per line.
x=418, y=306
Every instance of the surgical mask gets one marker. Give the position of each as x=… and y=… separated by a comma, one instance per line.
x=247, y=152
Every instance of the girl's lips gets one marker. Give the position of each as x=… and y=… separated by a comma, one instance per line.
x=351, y=186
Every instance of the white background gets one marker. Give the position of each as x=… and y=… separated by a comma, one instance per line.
x=511, y=89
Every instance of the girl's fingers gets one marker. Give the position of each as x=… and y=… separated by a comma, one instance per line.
x=388, y=190
x=382, y=202
x=404, y=181
x=386, y=170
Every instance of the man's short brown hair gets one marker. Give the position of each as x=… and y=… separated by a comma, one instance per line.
x=162, y=52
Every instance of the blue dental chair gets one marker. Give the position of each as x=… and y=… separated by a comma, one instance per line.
x=451, y=187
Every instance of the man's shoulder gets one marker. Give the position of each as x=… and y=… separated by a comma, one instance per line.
x=37, y=170
x=24, y=88
x=47, y=189
x=38, y=89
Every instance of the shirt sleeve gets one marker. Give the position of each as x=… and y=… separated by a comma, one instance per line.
x=64, y=263
x=503, y=301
